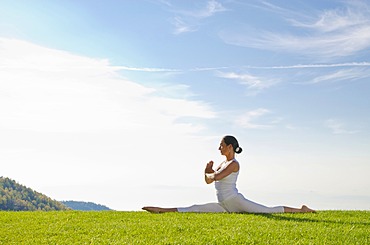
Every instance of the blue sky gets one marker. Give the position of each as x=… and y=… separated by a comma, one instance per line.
x=123, y=102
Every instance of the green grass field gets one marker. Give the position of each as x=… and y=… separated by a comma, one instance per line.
x=110, y=227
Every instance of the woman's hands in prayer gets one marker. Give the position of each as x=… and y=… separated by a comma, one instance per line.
x=209, y=168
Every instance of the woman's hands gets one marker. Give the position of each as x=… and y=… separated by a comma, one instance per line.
x=209, y=168
x=209, y=173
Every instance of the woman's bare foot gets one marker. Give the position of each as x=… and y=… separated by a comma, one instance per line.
x=303, y=209
x=152, y=209
x=306, y=209
x=158, y=210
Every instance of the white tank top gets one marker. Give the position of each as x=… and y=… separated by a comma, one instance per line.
x=226, y=187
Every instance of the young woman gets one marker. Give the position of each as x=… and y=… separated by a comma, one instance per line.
x=229, y=199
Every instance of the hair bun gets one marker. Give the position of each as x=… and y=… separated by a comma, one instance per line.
x=238, y=150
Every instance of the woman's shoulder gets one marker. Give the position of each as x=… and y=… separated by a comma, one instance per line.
x=235, y=165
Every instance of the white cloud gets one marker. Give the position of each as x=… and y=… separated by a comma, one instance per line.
x=345, y=74
x=316, y=46
x=248, y=119
x=301, y=66
x=182, y=26
x=165, y=2
x=67, y=118
x=54, y=90
x=253, y=83
x=339, y=19
x=189, y=20
x=338, y=127
x=212, y=8
x=332, y=34
x=145, y=69
x=311, y=73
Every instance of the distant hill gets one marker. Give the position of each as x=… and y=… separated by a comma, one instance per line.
x=85, y=206
x=16, y=197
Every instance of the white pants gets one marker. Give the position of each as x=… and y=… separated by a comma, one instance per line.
x=237, y=204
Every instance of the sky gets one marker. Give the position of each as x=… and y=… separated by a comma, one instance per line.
x=123, y=103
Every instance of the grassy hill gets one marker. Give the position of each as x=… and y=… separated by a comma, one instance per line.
x=78, y=227
x=16, y=197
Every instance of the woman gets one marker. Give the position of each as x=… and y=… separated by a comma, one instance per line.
x=229, y=199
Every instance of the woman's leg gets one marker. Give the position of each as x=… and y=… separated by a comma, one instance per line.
x=237, y=204
x=203, y=208
x=240, y=204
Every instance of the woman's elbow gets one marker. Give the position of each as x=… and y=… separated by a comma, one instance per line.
x=209, y=181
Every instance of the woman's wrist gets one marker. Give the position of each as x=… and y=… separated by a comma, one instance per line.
x=209, y=171
x=211, y=175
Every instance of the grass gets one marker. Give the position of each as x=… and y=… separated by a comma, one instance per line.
x=110, y=227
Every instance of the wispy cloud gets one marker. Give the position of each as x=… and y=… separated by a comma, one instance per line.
x=219, y=68
x=182, y=26
x=338, y=127
x=316, y=73
x=305, y=74
x=212, y=8
x=165, y=2
x=253, y=83
x=332, y=33
x=189, y=20
x=341, y=75
x=209, y=68
x=145, y=69
x=248, y=119
x=300, y=66
x=351, y=16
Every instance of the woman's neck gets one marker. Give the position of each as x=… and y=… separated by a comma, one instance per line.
x=230, y=157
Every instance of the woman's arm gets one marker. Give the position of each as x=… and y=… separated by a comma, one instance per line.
x=211, y=175
x=232, y=167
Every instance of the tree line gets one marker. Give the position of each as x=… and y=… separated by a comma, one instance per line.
x=85, y=206
x=16, y=197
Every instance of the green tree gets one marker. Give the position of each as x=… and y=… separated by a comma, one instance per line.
x=14, y=196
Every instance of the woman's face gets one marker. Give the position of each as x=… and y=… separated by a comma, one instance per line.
x=224, y=149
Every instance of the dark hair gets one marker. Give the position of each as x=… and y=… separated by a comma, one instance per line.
x=231, y=140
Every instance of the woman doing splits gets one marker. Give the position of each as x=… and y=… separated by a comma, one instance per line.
x=229, y=199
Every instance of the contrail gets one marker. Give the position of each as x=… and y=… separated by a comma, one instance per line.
x=201, y=69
